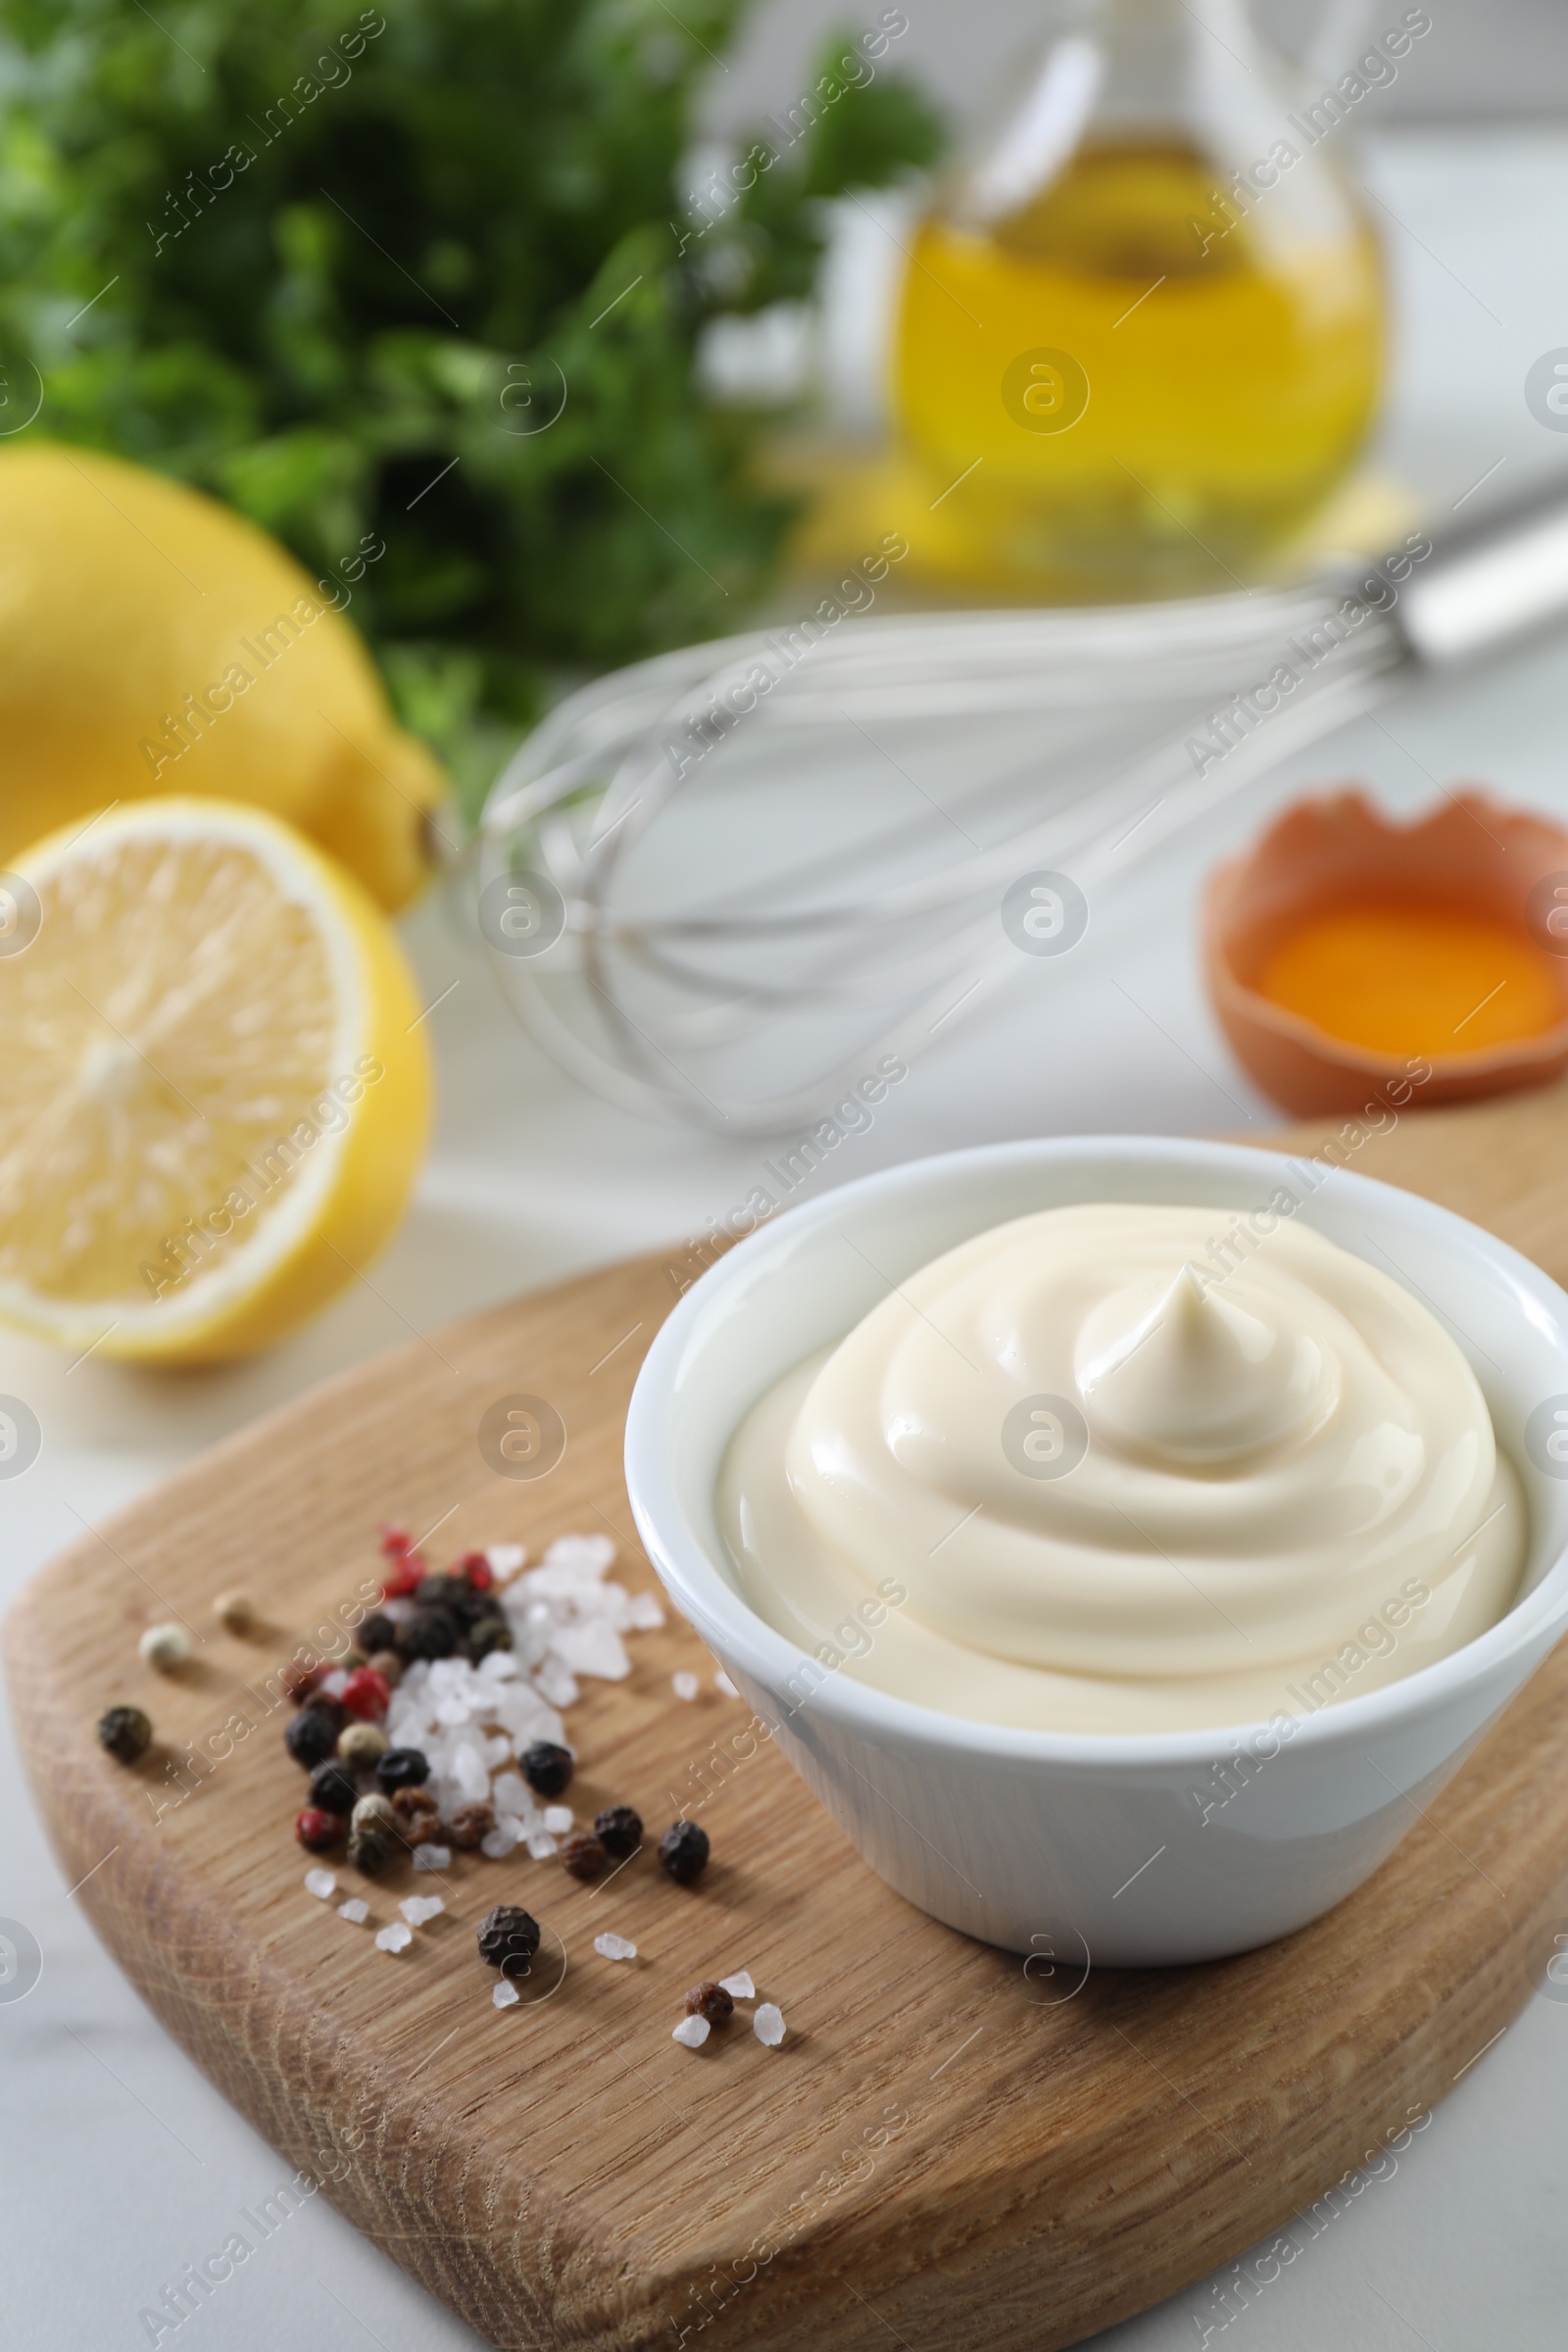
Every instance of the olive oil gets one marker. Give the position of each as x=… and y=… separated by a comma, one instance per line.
x=1145, y=375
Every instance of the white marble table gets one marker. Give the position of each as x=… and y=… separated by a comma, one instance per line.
x=119, y=2162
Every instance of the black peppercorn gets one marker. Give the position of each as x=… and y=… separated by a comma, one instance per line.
x=509, y=1938
x=683, y=1851
x=427, y=1634
x=454, y=1595
x=711, y=2001
x=125, y=1733
x=402, y=1768
x=619, y=1830
x=485, y=1635
x=377, y=1631
x=333, y=1788
x=583, y=1855
x=312, y=1737
x=547, y=1768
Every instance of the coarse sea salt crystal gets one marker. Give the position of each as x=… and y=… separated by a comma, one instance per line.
x=614, y=1947
x=522, y=1711
x=684, y=1684
x=397, y=1937
x=722, y=1683
x=356, y=1910
x=548, y=1589
x=592, y=1646
x=583, y=1555
x=418, y=1908
x=739, y=1987
x=320, y=1883
x=505, y=1994
x=769, y=2023
x=471, y=1723
x=692, y=2032
x=598, y=1601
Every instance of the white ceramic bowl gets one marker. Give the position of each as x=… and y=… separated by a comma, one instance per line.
x=1109, y=1850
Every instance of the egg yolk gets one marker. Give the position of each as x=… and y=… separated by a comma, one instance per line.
x=1407, y=978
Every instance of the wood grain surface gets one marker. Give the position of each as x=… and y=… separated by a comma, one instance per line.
x=946, y=2152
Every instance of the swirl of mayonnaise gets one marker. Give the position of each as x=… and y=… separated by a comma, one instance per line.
x=1116, y=1492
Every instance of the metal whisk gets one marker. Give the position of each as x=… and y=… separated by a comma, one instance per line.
x=718, y=885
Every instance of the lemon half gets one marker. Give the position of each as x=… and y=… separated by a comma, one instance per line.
x=213, y=1091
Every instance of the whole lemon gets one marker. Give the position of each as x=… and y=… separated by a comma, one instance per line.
x=152, y=641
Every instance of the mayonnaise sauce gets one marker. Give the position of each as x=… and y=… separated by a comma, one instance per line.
x=1062, y=1479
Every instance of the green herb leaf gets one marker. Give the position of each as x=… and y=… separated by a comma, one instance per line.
x=409, y=270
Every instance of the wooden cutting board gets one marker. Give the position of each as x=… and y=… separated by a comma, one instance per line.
x=946, y=2151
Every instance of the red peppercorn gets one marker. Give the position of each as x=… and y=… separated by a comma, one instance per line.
x=318, y=1828
x=477, y=1568
x=407, y=1577
x=364, y=1694
x=394, y=1540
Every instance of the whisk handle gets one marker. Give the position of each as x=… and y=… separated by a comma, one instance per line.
x=1503, y=577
